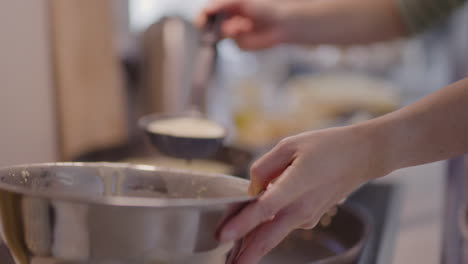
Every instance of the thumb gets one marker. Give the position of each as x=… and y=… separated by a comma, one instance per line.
x=270, y=166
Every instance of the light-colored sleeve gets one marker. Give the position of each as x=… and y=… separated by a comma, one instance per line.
x=420, y=15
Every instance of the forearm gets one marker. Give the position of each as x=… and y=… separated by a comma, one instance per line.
x=435, y=128
x=344, y=21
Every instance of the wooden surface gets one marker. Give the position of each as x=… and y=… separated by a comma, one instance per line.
x=89, y=88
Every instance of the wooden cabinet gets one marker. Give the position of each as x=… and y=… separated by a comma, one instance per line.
x=88, y=82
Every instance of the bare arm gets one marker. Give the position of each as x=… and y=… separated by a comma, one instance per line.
x=344, y=21
x=432, y=129
x=258, y=24
x=315, y=170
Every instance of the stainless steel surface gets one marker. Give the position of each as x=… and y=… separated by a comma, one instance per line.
x=456, y=235
x=455, y=230
x=235, y=251
x=93, y=213
x=184, y=147
x=238, y=159
x=382, y=201
x=462, y=224
x=323, y=245
x=452, y=246
x=341, y=242
x=169, y=49
x=187, y=99
x=237, y=247
x=181, y=147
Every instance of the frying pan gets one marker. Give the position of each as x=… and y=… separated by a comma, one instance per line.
x=341, y=242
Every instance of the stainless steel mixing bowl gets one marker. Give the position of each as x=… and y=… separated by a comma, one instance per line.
x=96, y=213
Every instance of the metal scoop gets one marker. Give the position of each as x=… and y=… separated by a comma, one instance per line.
x=181, y=146
x=187, y=147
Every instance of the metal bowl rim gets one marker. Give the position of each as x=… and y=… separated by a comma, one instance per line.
x=123, y=201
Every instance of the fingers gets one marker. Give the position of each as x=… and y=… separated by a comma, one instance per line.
x=266, y=237
x=279, y=196
x=235, y=26
x=270, y=166
x=226, y=6
x=238, y=23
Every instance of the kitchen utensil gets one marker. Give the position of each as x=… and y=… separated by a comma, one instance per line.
x=115, y=213
x=354, y=221
x=325, y=248
x=341, y=242
x=168, y=55
x=204, y=63
x=178, y=146
x=190, y=147
x=235, y=251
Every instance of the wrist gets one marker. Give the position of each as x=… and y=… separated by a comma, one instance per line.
x=376, y=141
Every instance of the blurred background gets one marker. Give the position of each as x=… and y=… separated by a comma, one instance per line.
x=62, y=62
x=76, y=75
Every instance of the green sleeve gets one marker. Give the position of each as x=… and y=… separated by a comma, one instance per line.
x=420, y=15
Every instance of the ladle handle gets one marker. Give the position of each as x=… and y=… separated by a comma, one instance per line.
x=212, y=31
x=205, y=59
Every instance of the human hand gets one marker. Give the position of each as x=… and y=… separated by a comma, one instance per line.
x=311, y=172
x=260, y=24
x=253, y=24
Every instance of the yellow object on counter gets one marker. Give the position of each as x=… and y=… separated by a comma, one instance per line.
x=314, y=102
